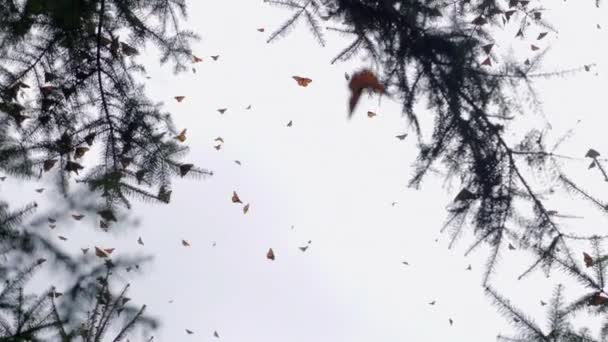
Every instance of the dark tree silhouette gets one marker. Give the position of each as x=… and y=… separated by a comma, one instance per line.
x=71, y=89
x=440, y=54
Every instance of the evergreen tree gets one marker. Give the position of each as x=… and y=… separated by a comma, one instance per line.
x=71, y=86
x=70, y=82
x=438, y=53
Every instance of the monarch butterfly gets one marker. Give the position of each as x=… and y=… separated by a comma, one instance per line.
x=371, y=114
x=464, y=195
x=401, y=137
x=237, y=162
x=90, y=138
x=84, y=250
x=190, y=332
x=179, y=98
x=364, y=79
x=182, y=135
x=598, y=300
x=534, y=47
x=185, y=243
x=591, y=153
x=217, y=147
x=216, y=335
x=107, y=215
x=542, y=35
x=588, y=259
x=487, y=48
x=235, y=198
x=71, y=166
x=248, y=107
x=487, y=62
x=270, y=254
x=184, y=169
x=100, y=253
x=290, y=123
x=479, y=21
x=77, y=217
x=215, y=57
x=261, y=29
x=140, y=241
x=302, y=81
x=197, y=59
x=246, y=208
x=222, y=110
x=303, y=249
x=63, y=238
x=128, y=50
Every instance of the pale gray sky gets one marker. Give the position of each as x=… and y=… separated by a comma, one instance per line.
x=334, y=180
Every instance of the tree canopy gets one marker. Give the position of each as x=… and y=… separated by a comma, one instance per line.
x=70, y=86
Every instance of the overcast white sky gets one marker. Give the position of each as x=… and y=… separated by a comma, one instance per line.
x=334, y=180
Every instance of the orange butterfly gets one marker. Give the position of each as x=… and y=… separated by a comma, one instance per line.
x=179, y=98
x=182, y=135
x=302, y=81
x=216, y=335
x=270, y=254
x=197, y=59
x=364, y=79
